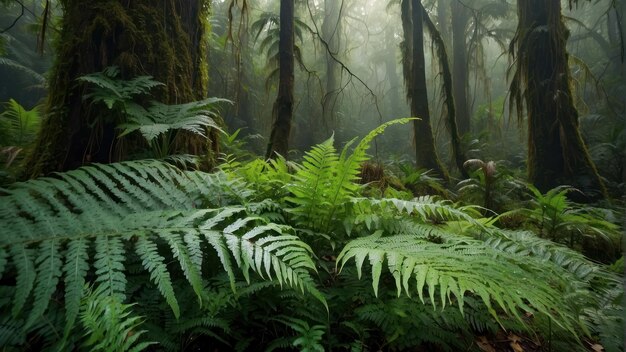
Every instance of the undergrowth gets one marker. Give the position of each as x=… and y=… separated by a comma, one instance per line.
x=269, y=255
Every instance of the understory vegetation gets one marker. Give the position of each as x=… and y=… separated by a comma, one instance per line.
x=277, y=254
x=137, y=212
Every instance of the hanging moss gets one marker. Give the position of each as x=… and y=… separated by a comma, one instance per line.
x=164, y=39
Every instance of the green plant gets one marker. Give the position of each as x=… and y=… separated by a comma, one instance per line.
x=109, y=324
x=555, y=217
x=494, y=188
x=225, y=260
x=18, y=129
x=157, y=123
x=136, y=207
x=421, y=181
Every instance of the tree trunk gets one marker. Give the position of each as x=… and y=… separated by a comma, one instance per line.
x=164, y=39
x=460, y=20
x=283, y=107
x=556, y=151
x=415, y=77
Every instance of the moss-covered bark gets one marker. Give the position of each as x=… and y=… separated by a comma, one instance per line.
x=161, y=38
x=556, y=151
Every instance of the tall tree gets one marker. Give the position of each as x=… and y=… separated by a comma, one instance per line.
x=283, y=107
x=415, y=79
x=164, y=39
x=556, y=151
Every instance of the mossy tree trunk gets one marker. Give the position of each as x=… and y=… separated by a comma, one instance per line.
x=161, y=38
x=417, y=94
x=556, y=152
x=283, y=107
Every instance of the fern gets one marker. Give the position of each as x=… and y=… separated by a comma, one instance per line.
x=309, y=338
x=160, y=118
x=326, y=181
x=109, y=324
x=106, y=207
x=111, y=91
x=455, y=270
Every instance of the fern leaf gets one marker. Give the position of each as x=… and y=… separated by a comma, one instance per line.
x=75, y=269
x=109, y=266
x=154, y=263
x=23, y=261
x=192, y=273
x=109, y=323
x=48, y=272
x=216, y=241
x=456, y=269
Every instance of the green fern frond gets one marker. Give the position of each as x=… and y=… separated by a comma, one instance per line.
x=312, y=191
x=326, y=181
x=109, y=266
x=154, y=263
x=75, y=270
x=109, y=324
x=48, y=273
x=23, y=259
x=160, y=118
x=455, y=270
x=54, y=222
x=110, y=90
x=528, y=244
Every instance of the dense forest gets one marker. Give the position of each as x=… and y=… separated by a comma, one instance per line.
x=312, y=175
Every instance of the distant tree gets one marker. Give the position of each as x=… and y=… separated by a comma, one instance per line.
x=164, y=39
x=556, y=151
x=415, y=78
x=283, y=107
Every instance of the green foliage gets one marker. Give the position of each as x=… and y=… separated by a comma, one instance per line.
x=493, y=187
x=309, y=338
x=147, y=206
x=456, y=267
x=158, y=123
x=114, y=92
x=242, y=258
x=560, y=220
x=109, y=324
x=326, y=181
x=421, y=181
x=18, y=129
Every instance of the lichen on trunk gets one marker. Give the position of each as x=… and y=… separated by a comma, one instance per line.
x=163, y=39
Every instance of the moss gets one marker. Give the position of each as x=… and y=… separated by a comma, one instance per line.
x=164, y=39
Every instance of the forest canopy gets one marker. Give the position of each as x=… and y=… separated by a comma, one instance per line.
x=312, y=175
